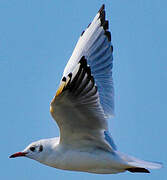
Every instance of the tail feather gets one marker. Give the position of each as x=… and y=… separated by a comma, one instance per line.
x=137, y=165
x=138, y=170
x=145, y=164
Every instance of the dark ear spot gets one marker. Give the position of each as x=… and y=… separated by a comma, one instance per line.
x=40, y=148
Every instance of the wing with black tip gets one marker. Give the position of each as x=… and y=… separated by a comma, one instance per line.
x=95, y=44
x=85, y=96
x=77, y=110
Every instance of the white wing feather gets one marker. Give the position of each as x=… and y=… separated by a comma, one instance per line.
x=95, y=45
x=78, y=113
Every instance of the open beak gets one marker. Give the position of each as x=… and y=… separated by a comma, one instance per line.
x=18, y=154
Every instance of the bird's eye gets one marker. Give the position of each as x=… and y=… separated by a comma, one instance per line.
x=32, y=148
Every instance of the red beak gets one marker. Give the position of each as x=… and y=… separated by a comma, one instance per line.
x=18, y=154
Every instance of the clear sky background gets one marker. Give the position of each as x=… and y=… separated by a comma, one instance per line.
x=36, y=40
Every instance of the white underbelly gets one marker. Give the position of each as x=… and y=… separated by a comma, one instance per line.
x=95, y=162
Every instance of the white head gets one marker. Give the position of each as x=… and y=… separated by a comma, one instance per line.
x=39, y=150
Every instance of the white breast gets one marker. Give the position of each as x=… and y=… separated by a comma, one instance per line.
x=97, y=161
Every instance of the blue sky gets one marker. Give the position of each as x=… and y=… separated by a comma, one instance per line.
x=36, y=40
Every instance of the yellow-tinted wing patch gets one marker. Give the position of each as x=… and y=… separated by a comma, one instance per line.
x=61, y=87
x=63, y=84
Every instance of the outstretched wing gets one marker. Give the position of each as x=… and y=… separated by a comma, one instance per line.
x=77, y=111
x=85, y=96
x=95, y=44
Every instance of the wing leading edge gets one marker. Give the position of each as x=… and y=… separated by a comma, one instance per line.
x=95, y=44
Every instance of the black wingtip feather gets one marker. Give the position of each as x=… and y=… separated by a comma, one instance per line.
x=112, y=48
x=82, y=33
x=102, y=8
x=88, y=70
x=74, y=85
x=105, y=25
x=138, y=170
x=70, y=75
x=108, y=34
x=88, y=25
x=83, y=61
x=102, y=17
x=64, y=79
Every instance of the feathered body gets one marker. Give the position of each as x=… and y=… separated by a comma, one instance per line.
x=83, y=103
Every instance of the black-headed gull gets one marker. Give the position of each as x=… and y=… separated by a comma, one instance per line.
x=83, y=103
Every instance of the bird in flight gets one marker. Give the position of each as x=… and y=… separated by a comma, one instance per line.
x=83, y=103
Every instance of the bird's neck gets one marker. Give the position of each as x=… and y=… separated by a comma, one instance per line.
x=52, y=155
